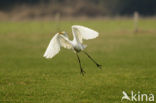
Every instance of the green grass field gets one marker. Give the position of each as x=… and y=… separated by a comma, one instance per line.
x=128, y=60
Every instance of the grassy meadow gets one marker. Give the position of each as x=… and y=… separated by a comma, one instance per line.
x=128, y=62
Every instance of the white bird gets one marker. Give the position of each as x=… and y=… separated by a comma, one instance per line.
x=61, y=40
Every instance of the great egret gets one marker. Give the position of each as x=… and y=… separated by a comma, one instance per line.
x=61, y=40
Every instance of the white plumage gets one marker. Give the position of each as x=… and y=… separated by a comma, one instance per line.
x=84, y=33
x=62, y=40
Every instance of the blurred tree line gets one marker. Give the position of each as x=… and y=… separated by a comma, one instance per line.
x=86, y=7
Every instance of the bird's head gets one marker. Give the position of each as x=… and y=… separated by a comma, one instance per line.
x=62, y=32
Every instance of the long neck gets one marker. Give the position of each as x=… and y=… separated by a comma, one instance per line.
x=66, y=38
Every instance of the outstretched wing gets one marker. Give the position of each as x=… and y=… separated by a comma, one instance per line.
x=82, y=32
x=54, y=46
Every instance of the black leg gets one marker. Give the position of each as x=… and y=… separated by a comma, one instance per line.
x=81, y=69
x=98, y=65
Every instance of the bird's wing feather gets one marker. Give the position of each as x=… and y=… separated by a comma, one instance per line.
x=54, y=46
x=82, y=32
x=64, y=42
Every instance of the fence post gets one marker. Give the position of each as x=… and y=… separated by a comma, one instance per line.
x=136, y=19
x=57, y=19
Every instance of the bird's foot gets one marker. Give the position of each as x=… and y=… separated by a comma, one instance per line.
x=82, y=72
x=99, y=66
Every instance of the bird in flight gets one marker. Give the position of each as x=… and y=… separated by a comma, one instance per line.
x=61, y=40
